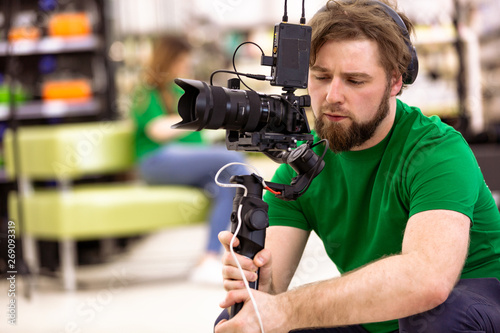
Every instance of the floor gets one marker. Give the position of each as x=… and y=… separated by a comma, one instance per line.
x=144, y=289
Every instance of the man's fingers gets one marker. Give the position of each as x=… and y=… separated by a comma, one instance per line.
x=217, y=327
x=233, y=284
x=263, y=259
x=233, y=297
x=233, y=273
x=225, y=239
x=246, y=263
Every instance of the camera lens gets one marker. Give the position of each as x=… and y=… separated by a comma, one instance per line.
x=212, y=107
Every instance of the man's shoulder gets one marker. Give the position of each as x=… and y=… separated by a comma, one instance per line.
x=413, y=125
x=425, y=141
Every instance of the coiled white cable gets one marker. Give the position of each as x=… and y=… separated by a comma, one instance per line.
x=237, y=230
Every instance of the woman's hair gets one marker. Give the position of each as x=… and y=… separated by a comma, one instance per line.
x=166, y=50
x=158, y=73
x=358, y=20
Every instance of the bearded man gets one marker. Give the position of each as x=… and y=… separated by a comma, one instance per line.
x=401, y=205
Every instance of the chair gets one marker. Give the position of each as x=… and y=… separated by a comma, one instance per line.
x=70, y=212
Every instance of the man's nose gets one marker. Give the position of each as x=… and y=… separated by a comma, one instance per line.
x=335, y=93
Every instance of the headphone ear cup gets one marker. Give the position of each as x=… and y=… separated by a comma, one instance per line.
x=412, y=71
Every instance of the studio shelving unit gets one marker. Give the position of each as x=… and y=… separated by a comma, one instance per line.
x=79, y=48
x=39, y=59
x=27, y=63
x=33, y=54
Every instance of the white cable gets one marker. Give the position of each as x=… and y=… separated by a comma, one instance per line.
x=237, y=230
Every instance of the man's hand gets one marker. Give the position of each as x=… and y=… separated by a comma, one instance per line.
x=232, y=275
x=271, y=309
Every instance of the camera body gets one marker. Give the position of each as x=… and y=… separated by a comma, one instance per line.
x=287, y=123
x=254, y=121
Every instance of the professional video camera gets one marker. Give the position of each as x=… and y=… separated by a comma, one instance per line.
x=271, y=124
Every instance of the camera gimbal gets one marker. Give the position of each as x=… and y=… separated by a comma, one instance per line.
x=254, y=211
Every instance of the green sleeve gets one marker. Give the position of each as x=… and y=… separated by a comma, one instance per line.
x=146, y=107
x=443, y=176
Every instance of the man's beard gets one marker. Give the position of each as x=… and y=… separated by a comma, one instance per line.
x=342, y=138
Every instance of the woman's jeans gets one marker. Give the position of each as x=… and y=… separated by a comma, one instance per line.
x=194, y=165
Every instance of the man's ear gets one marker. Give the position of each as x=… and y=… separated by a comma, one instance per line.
x=396, y=84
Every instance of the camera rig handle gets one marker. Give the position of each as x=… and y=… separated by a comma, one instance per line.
x=254, y=221
x=254, y=211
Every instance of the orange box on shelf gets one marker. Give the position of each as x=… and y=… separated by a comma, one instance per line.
x=69, y=24
x=66, y=89
x=24, y=33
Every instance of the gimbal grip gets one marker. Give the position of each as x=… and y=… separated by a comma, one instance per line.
x=254, y=221
x=248, y=249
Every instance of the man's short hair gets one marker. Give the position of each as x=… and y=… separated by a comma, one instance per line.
x=361, y=20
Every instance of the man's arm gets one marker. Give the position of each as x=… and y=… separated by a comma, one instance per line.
x=434, y=249
x=287, y=246
x=420, y=278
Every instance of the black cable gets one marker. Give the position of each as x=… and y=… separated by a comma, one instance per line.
x=234, y=62
x=303, y=17
x=285, y=13
x=218, y=71
x=260, y=77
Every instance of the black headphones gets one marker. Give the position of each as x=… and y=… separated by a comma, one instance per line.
x=412, y=70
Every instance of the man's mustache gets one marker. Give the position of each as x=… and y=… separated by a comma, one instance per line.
x=334, y=109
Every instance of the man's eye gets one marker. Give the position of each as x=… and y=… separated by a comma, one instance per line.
x=320, y=78
x=356, y=82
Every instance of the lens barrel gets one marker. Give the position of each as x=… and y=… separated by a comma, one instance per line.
x=211, y=107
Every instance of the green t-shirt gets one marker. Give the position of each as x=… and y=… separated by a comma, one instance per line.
x=360, y=203
x=147, y=105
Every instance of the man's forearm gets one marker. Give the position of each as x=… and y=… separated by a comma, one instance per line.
x=388, y=289
x=394, y=287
